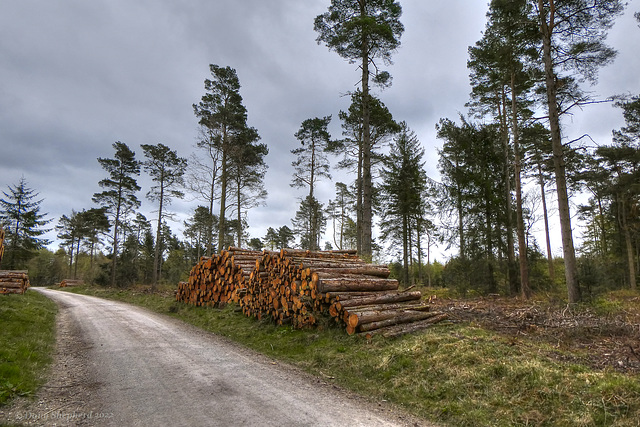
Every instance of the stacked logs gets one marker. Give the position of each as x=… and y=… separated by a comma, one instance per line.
x=282, y=290
x=297, y=286
x=13, y=281
x=214, y=280
x=70, y=282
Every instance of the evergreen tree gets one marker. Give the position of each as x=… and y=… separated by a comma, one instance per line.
x=271, y=239
x=404, y=182
x=285, y=237
x=338, y=212
x=119, y=198
x=247, y=171
x=23, y=224
x=309, y=223
x=573, y=35
x=382, y=127
x=256, y=244
x=71, y=230
x=96, y=225
x=198, y=230
x=202, y=178
x=363, y=31
x=222, y=113
x=472, y=168
x=310, y=165
x=500, y=65
x=166, y=170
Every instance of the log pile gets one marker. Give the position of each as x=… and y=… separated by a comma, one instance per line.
x=214, y=280
x=14, y=281
x=70, y=282
x=297, y=287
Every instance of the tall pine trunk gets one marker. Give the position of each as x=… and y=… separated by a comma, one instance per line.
x=156, y=255
x=570, y=266
x=367, y=188
x=525, y=289
x=511, y=256
x=552, y=270
x=223, y=193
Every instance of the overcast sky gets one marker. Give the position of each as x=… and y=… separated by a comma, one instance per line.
x=77, y=75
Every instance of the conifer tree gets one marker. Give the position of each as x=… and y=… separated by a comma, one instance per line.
x=23, y=224
x=166, y=170
x=363, y=31
x=119, y=196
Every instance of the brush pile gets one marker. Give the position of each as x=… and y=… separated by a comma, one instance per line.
x=297, y=287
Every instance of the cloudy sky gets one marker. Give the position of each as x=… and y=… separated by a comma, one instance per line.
x=77, y=75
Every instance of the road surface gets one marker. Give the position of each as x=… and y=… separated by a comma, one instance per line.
x=131, y=367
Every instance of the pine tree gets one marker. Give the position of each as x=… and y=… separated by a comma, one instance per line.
x=573, y=35
x=119, y=198
x=166, y=170
x=363, y=31
x=225, y=117
x=404, y=182
x=309, y=223
x=246, y=171
x=382, y=127
x=23, y=224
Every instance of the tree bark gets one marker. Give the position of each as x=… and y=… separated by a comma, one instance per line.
x=552, y=270
x=353, y=284
x=573, y=287
x=525, y=288
x=367, y=210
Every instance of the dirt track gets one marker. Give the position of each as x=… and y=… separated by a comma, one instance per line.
x=118, y=365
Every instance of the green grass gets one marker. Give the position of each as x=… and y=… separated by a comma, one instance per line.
x=452, y=374
x=27, y=339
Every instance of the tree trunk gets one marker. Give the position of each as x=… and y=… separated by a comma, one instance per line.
x=223, y=195
x=511, y=256
x=405, y=251
x=629, y=245
x=156, y=255
x=419, y=248
x=116, y=226
x=552, y=270
x=570, y=266
x=367, y=190
x=525, y=289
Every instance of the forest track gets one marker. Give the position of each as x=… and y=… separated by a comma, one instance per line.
x=117, y=364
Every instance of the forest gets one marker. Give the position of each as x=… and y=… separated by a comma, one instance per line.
x=504, y=165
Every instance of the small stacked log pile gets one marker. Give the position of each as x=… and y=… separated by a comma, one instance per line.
x=297, y=286
x=14, y=281
x=70, y=282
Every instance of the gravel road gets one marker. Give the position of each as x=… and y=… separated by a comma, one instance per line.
x=121, y=365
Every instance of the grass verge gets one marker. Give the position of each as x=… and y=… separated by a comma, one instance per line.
x=451, y=374
x=27, y=340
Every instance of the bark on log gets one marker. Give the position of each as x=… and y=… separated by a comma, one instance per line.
x=381, y=299
x=354, y=284
x=406, y=317
x=402, y=329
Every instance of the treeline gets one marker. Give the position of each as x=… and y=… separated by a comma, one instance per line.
x=504, y=166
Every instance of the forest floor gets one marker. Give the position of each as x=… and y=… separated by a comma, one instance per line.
x=603, y=335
